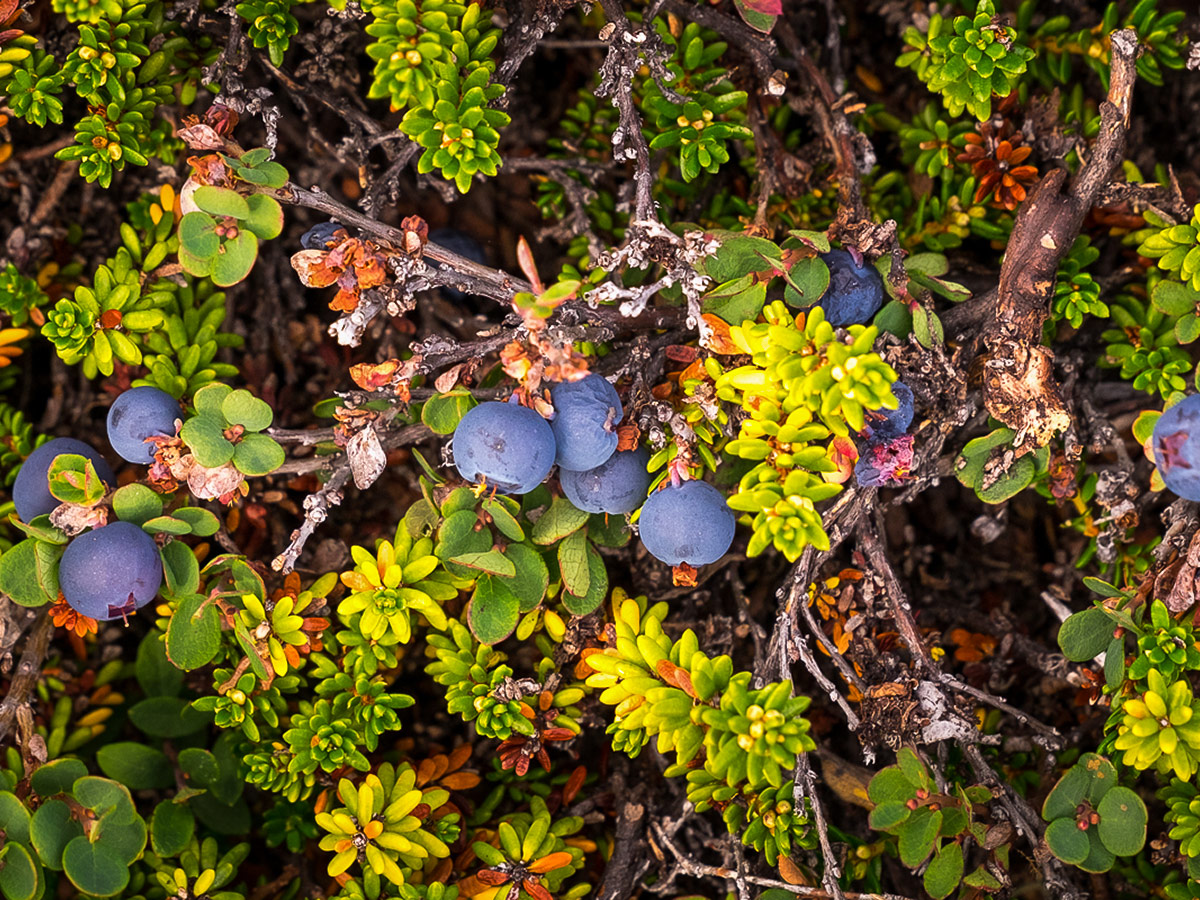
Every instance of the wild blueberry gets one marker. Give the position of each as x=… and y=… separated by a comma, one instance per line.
x=1176, y=444
x=855, y=292
x=111, y=571
x=617, y=486
x=464, y=245
x=887, y=423
x=690, y=524
x=586, y=413
x=31, y=490
x=320, y=236
x=505, y=445
x=137, y=414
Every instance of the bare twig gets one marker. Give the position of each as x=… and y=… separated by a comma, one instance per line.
x=29, y=669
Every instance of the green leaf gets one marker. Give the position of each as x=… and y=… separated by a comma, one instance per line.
x=1114, y=663
x=199, y=767
x=503, y=519
x=258, y=454
x=20, y=876
x=736, y=301
x=136, y=503
x=889, y=784
x=1122, y=827
x=203, y=522
x=93, y=869
x=181, y=569
x=18, y=575
x=166, y=525
x=14, y=819
x=573, y=562
x=558, y=521
x=1066, y=796
x=740, y=254
x=51, y=829
x=221, y=201
x=171, y=828
x=807, y=281
x=57, y=776
x=945, y=871
x=493, y=610
x=73, y=479
x=918, y=835
x=1067, y=842
x=241, y=407
x=443, y=412
x=198, y=236
x=492, y=562
x=266, y=216
x=1100, y=858
x=46, y=558
x=234, y=259
x=205, y=438
x=1085, y=634
x=254, y=157
x=581, y=605
x=167, y=717
x=1187, y=328
x=193, y=634
x=1174, y=299
x=887, y=815
x=532, y=577
x=209, y=400
x=155, y=673
x=137, y=766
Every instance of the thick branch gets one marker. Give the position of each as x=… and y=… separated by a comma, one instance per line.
x=1019, y=385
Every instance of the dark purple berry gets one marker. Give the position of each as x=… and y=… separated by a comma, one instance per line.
x=137, y=414
x=504, y=445
x=855, y=292
x=1176, y=444
x=689, y=523
x=110, y=572
x=586, y=413
x=617, y=486
x=888, y=423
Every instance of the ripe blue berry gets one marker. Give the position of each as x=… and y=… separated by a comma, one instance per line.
x=617, y=486
x=31, y=490
x=137, y=414
x=505, y=445
x=690, y=524
x=320, y=236
x=464, y=245
x=586, y=413
x=888, y=423
x=855, y=292
x=1176, y=444
x=111, y=571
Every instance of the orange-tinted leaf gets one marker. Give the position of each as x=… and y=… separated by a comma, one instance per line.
x=550, y=862
x=525, y=260
x=719, y=339
x=372, y=376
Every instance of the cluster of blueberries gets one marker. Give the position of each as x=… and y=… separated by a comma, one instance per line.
x=512, y=448
x=107, y=572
